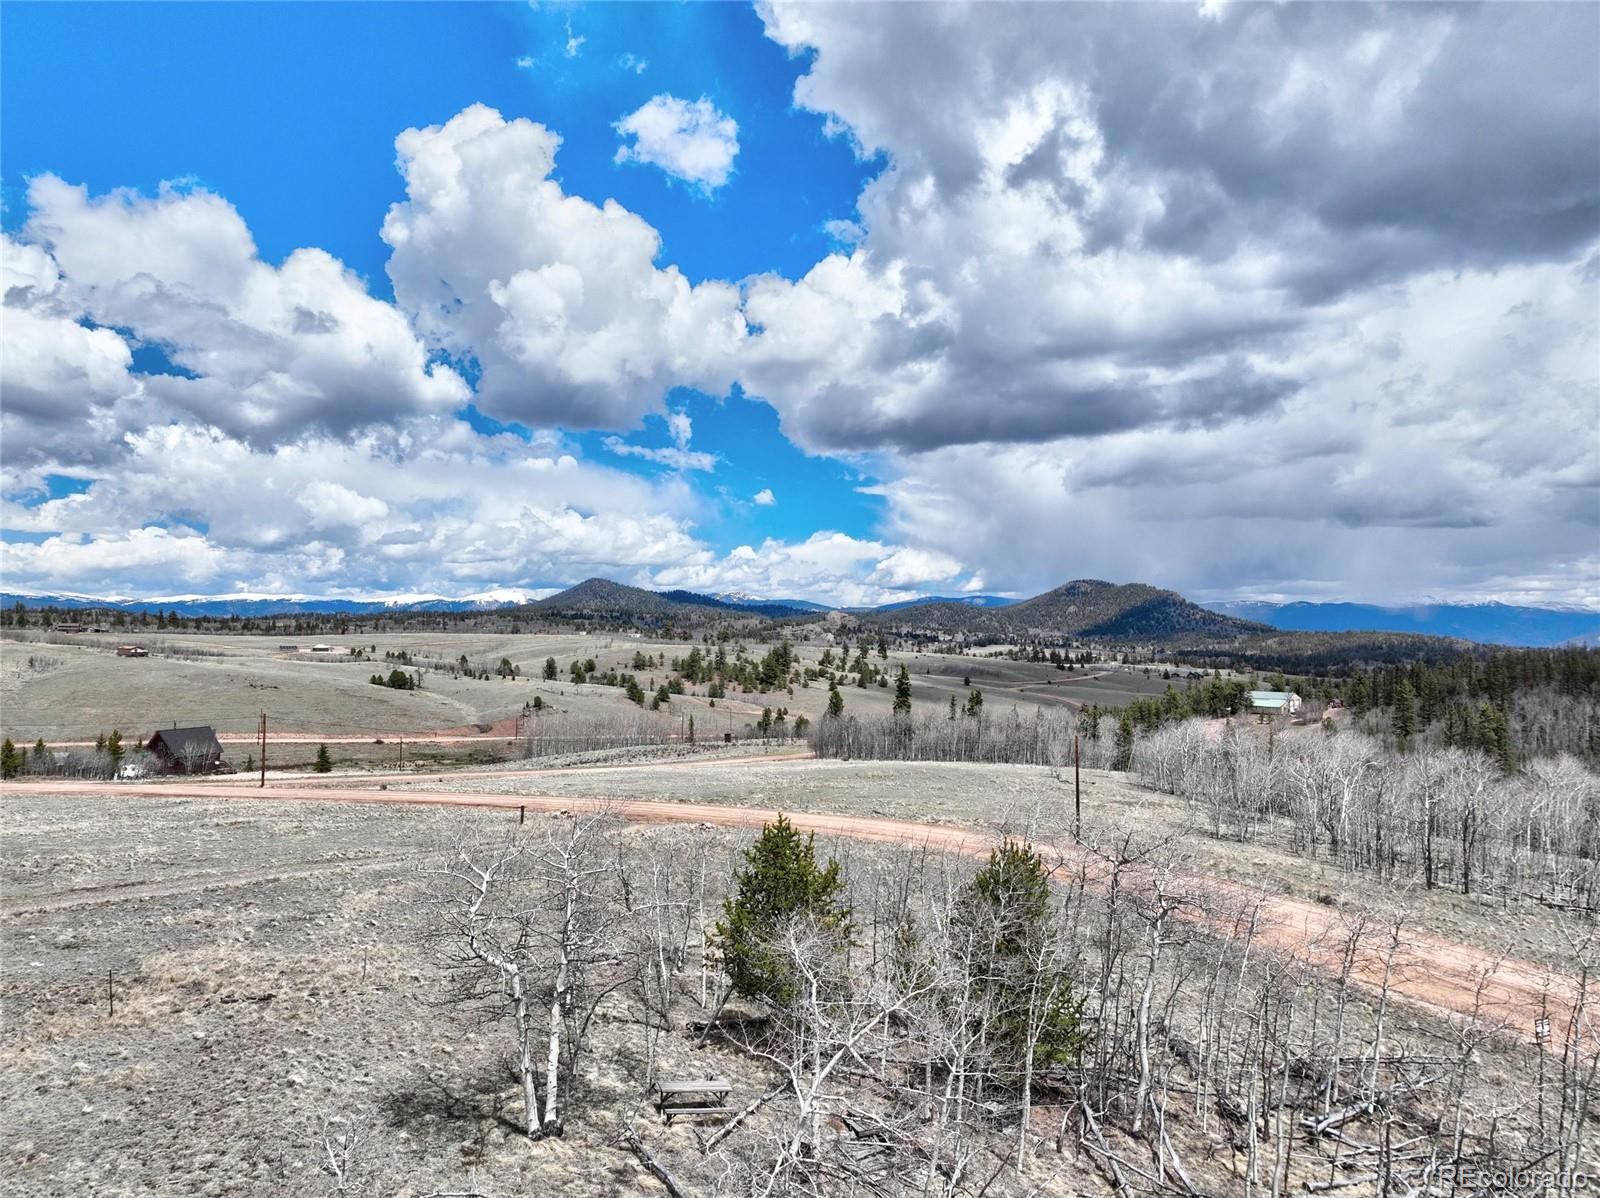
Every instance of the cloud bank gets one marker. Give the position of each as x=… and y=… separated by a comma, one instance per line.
x=1299, y=299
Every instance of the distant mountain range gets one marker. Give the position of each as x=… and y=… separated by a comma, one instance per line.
x=1486, y=623
x=243, y=605
x=1087, y=608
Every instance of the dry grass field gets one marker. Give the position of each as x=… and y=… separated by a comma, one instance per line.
x=265, y=977
x=75, y=687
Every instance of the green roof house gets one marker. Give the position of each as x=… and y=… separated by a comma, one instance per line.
x=1273, y=702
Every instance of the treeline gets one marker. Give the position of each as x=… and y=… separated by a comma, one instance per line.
x=553, y=735
x=308, y=624
x=1437, y=817
x=1330, y=653
x=105, y=759
x=1042, y=737
x=1514, y=706
x=548, y=733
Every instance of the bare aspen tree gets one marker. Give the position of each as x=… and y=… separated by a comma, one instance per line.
x=534, y=928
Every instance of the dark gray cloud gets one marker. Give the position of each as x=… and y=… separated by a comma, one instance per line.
x=1474, y=127
x=1102, y=218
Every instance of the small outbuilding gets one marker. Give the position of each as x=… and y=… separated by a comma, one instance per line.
x=132, y=651
x=186, y=750
x=1273, y=702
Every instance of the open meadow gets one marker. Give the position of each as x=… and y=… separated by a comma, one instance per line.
x=66, y=687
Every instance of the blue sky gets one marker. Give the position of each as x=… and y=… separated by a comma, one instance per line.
x=853, y=302
x=303, y=102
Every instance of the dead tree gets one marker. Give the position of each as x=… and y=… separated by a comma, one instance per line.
x=534, y=928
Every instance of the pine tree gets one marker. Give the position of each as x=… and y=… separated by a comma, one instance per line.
x=114, y=748
x=902, y=692
x=1360, y=699
x=10, y=759
x=549, y=669
x=1089, y=723
x=1006, y=910
x=324, y=763
x=974, y=703
x=1403, y=723
x=1494, y=736
x=1122, y=756
x=781, y=881
x=835, y=700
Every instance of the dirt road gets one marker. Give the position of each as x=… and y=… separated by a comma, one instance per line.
x=1447, y=978
x=347, y=778
x=93, y=896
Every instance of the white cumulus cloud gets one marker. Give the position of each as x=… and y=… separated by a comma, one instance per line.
x=689, y=139
x=265, y=352
x=558, y=300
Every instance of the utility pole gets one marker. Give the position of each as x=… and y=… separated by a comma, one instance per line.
x=263, y=783
x=402, y=750
x=1077, y=793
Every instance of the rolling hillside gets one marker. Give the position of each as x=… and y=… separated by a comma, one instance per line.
x=1088, y=607
x=600, y=598
x=1127, y=611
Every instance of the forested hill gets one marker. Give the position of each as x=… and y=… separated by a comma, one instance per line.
x=600, y=598
x=1087, y=608
x=1130, y=611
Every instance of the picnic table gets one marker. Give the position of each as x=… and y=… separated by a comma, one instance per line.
x=708, y=1096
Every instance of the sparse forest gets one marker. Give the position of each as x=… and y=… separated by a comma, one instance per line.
x=908, y=1022
x=1436, y=817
